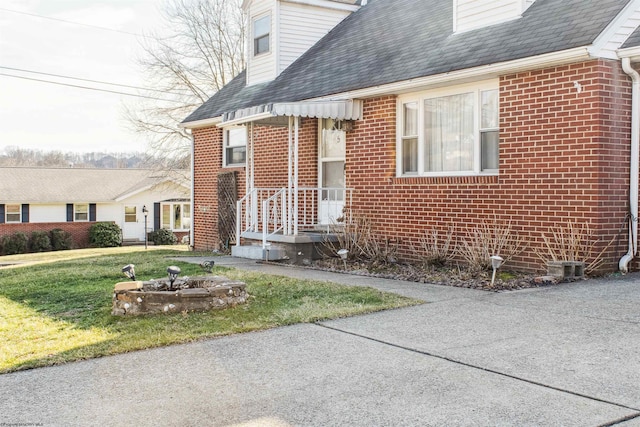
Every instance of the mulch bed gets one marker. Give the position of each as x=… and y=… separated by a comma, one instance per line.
x=448, y=275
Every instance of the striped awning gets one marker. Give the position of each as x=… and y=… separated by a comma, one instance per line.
x=338, y=110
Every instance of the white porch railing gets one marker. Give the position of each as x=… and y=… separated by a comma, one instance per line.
x=274, y=210
x=274, y=215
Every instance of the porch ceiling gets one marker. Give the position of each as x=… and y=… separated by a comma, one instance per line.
x=337, y=110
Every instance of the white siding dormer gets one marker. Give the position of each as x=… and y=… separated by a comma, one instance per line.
x=472, y=14
x=301, y=26
x=295, y=26
x=261, y=66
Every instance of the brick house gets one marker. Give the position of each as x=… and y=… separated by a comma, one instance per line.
x=42, y=199
x=426, y=115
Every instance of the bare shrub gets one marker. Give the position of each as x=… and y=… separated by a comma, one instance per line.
x=357, y=237
x=437, y=247
x=488, y=239
x=573, y=242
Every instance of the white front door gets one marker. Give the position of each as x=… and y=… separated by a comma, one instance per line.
x=133, y=223
x=331, y=171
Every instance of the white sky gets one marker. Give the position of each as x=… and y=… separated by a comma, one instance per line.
x=50, y=117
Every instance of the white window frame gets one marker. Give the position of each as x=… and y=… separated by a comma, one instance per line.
x=7, y=213
x=227, y=143
x=185, y=213
x=255, y=37
x=75, y=212
x=129, y=215
x=419, y=98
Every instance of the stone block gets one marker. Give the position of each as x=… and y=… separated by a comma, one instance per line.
x=128, y=286
x=566, y=270
x=193, y=293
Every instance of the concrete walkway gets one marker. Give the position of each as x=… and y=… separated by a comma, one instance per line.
x=559, y=356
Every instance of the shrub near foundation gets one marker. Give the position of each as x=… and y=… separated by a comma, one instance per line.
x=40, y=242
x=15, y=244
x=163, y=236
x=60, y=240
x=105, y=235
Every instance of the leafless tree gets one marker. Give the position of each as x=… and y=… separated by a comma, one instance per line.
x=204, y=51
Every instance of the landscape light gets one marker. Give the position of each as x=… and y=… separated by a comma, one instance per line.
x=496, y=262
x=129, y=271
x=173, y=272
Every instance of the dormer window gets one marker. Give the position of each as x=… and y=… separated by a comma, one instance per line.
x=261, y=31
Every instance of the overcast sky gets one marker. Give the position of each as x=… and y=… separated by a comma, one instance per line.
x=63, y=39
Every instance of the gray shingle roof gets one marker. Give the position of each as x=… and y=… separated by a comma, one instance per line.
x=633, y=40
x=67, y=185
x=388, y=41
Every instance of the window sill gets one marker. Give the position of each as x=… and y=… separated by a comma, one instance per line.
x=452, y=179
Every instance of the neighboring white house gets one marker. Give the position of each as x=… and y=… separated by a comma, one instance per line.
x=65, y=195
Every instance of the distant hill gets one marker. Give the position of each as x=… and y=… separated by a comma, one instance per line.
x=14, y=156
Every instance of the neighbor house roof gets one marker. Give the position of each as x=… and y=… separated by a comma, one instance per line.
x=69, y=185
x=390, y=41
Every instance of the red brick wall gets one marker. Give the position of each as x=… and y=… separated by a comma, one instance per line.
x=207, y=165
x=564, y=156
x=79, y=230
x=565, y=153
x=271, y=155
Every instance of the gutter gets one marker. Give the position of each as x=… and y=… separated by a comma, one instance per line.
x=634, y=166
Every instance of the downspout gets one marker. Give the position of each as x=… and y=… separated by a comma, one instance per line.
x=634, y=166
x=193, y=186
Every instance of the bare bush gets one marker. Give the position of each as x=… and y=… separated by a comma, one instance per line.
x=437, y=247
x=573, y=242
x=358, y=237
x=488, y=239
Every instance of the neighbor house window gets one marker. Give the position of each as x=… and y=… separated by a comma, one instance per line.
x=235, y=146
x=449, y=132
x=81, y=212
x=176, y=216
x=261, y=30
x=12, y=213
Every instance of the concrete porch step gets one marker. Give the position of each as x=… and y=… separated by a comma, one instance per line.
x=272, y=253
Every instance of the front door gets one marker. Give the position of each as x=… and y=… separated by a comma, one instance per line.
x=331, y=171
x=133, y=226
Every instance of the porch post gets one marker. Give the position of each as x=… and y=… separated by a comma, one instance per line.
x=295, y=176
x=252, y=201
x=289, y=175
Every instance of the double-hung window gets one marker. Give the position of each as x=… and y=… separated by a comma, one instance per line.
x=13, y=213
x=261, y=31
x=81, y=212
x=449, y=132
x=235, y=146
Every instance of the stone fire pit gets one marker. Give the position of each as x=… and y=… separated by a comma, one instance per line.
x=201, y=293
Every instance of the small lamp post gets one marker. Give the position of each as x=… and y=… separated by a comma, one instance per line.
x=145, y=211
x=496, y=262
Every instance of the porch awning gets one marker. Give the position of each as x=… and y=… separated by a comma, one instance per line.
x=338, y=110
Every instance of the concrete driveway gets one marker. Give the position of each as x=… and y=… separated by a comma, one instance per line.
x=559, y=356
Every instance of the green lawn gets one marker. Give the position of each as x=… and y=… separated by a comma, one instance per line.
x=59, y=311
